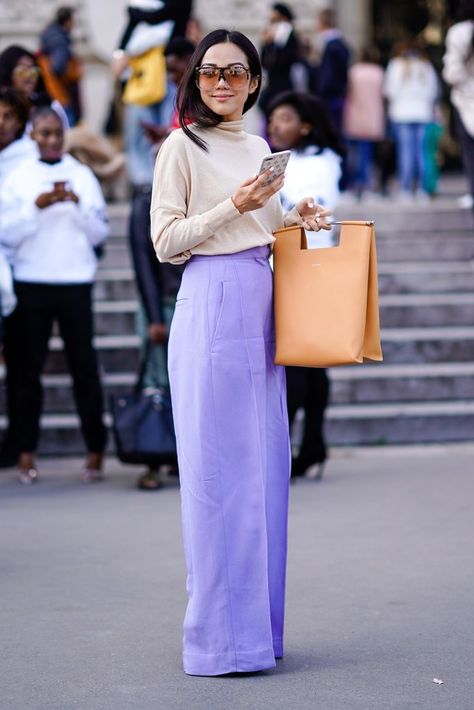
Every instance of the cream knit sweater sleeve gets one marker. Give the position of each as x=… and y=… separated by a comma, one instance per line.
x=191, y=208
x=173, y=232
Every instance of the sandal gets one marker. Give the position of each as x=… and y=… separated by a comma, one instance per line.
x=27, y=476
x=91, y=475
x=150, y=481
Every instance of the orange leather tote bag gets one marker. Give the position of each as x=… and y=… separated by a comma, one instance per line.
x=326, y=300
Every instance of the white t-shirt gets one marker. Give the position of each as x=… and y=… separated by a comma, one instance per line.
x=411, y=87
x=311, y=173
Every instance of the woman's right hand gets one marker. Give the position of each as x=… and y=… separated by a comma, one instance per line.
x=254, y=193
x=46, y=199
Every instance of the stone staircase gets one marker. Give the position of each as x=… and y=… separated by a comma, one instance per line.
x=424, y=390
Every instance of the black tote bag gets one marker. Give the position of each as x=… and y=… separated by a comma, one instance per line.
x=142, y=425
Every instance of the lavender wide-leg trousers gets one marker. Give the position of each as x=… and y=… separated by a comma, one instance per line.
x=230, y=415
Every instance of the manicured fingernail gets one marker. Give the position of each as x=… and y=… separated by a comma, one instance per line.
x=272, y=169
x=310, y=204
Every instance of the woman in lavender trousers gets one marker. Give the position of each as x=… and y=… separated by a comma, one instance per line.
x=211, y=211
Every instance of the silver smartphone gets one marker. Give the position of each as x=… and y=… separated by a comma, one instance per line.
x=278, y=161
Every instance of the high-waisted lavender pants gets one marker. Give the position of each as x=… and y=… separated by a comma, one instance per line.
x=231, y=423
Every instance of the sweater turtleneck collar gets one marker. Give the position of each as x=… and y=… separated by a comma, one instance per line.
x=231, y=126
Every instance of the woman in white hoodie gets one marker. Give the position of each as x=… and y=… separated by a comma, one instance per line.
x=15, y=148
x=52, y=217
x=458, y=71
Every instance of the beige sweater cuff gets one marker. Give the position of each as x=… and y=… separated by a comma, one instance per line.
x=221, y=215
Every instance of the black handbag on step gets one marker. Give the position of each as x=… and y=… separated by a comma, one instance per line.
x=142, y=424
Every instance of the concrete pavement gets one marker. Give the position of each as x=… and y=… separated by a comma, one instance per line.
x=380, y=591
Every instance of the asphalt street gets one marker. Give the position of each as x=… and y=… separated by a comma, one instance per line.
x=379, y=604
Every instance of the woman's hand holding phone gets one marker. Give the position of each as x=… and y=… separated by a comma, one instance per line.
x=255, y=192
x=58, y=194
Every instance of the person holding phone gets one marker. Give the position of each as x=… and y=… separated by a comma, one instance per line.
x=52, y=216
x=212, y=211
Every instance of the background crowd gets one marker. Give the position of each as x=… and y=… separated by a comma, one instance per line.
x=348, y=119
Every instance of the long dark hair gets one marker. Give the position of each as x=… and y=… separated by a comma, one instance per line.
x=18, y=105
x=190, y=104
x=9, y=59
x=465, y=10
x=311, y=110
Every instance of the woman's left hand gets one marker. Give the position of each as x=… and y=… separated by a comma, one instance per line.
x=313, y=215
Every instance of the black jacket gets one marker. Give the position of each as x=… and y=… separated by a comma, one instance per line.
x=155, y=281
x=333, y=70
x=177, y=10
x=277, y=61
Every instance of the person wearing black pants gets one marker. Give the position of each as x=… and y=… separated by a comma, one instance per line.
x=308, y=388
x=53, y=218
x=39, y=306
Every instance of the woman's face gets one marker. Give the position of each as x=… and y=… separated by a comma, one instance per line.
x=25, y=76
x=9, y=125
x=285, y=128
x=226, y=96
x=48, y=132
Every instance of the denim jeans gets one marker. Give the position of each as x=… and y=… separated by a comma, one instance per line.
x=409, y=138
x=140, y=157
x=361, y=160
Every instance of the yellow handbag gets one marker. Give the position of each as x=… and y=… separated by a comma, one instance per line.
x=147, y=84
x=326, y=300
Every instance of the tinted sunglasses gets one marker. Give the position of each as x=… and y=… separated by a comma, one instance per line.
x=23, y=70
x=235, y=75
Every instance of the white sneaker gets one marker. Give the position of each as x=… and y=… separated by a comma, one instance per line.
x=465, y=202
x=422, y=198
x=405, y=198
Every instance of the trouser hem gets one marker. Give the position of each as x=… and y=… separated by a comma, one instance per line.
x=222, y=663
x=278, y=647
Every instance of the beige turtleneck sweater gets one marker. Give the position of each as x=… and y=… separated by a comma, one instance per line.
x=191, y=208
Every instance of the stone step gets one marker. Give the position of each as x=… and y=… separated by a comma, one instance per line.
x=349, y=385
x=413, y=422
x=429, y=345
x=118, y=353
x=394, y=277
x=396, y=248
x=58, y=397
x=409, y=310
x=115, y=284
x=435, y=248
x=116, y=256
x=391, y=216
x=425, y=277
x=399, y=383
